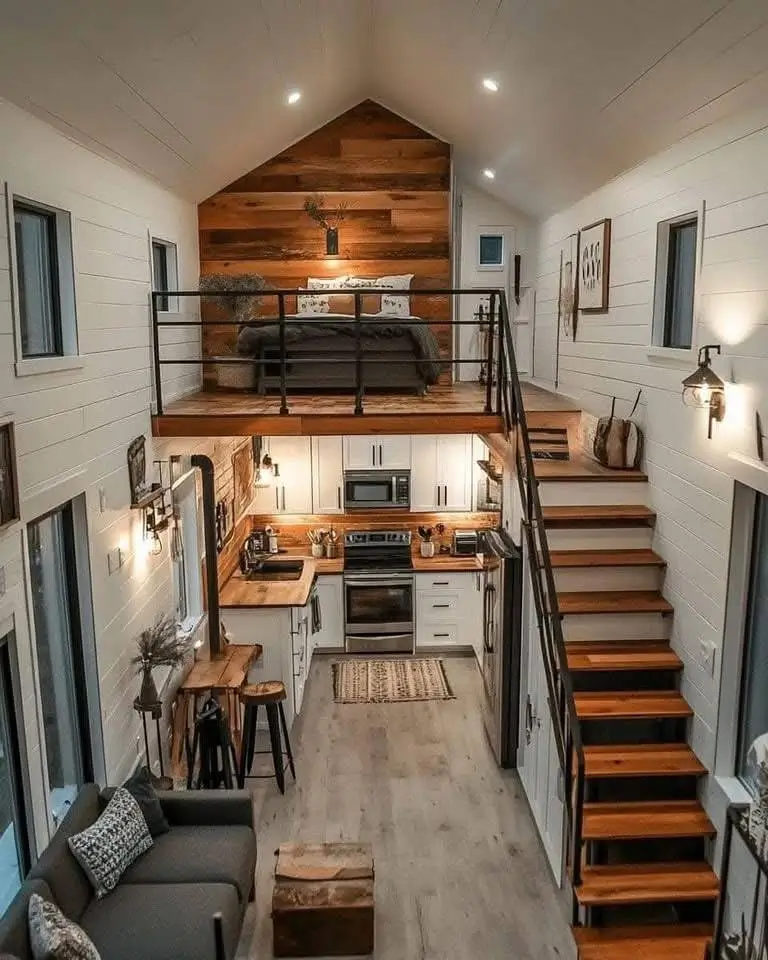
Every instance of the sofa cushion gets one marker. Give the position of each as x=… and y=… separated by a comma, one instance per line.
x=54, y=937
x=106, y=848
x=63, y=874
x=142, y=790
x=14, y=929
x=199, y=855
x=163, y=921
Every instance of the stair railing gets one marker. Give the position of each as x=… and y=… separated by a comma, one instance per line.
x=565, y=723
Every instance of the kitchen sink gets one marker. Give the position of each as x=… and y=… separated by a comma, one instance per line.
x=276, y=570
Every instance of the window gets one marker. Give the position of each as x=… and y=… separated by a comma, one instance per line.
x=44, y=281
x=490, y=251
x=164, y=272
x=60, y=657
x=753, y=710
x=14, y=840
x=676, y=274
x=186, y=553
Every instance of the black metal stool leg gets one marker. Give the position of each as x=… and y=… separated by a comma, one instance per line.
x=288, y=751
x=277, y=750
x=244, y=767
x=252, y=733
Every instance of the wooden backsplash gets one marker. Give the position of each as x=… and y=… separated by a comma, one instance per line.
x=395, y=178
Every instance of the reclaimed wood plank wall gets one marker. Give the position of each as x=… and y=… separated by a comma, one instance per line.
x=395, y=178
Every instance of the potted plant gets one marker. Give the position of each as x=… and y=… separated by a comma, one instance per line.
x=329, y=220
x=241, y=308
x=427, y=546
x=158, y=646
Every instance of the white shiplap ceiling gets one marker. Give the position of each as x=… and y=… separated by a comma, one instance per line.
x=193, y=93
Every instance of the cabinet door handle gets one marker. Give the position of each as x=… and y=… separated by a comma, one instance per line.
x=441, y=634
x=338, y=497
x=440, y=606
x=445, y=495
x=439, y=583
x=373, y=454
x=438, y=494
x=381, y=456
x=283, y=498
x=277, y=498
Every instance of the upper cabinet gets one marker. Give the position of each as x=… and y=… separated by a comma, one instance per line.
x=441, y=474
x=372, y=453
x=327, y=475
x=291, y=491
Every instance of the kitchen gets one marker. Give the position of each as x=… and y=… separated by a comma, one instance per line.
x=407, y=563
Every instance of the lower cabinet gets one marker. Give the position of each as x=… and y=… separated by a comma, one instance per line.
x=449, y=611
x=331, y=633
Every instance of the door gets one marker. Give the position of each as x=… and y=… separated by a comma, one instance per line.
x=291, y=490
x=424, y=482
x=454, y=472
x=60, y=659
x=327, y=475
x=14, y=839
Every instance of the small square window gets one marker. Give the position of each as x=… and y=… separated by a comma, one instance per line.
x=491, y=251
x=676, y=277
x=44, y=277
x=164, y=273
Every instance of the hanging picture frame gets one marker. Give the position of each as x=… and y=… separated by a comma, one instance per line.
x=10, y=511
x=567, y=309
x=242, y=480
x=594, y=267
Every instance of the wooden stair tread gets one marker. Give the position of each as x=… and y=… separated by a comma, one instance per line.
x=631, y=704
x=613, y=601
x=682, y=941
x=642, y=760
x=635, y=820
x=646, y=883
x=584, y=469
x=628, y=514
x=637, y=655
x=605, y=558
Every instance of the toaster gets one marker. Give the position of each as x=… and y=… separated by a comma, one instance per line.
x=465, y=543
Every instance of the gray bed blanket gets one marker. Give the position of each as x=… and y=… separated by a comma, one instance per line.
x=252, y=339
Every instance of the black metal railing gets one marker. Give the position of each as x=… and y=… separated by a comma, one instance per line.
x=489, y=319
x=565, y=722
x=747, y=937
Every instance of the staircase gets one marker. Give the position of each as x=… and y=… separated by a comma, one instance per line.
x=646, y=889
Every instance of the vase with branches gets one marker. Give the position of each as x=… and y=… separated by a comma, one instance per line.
x=158, y=646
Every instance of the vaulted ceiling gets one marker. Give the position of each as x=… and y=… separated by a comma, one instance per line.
x=193, y=93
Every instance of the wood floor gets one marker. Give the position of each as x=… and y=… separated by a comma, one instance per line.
x=460, y=872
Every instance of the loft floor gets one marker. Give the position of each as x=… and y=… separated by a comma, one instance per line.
x=460, y=872
x=446, y=408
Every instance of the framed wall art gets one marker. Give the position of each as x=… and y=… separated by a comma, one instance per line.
x=594, y=267
x=9, y=485
x=567, y=307
x=242, y=480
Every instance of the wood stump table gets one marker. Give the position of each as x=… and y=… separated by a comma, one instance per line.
x=322, y=905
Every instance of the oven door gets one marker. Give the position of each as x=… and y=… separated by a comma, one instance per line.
x=378, y=613
x=370, y=490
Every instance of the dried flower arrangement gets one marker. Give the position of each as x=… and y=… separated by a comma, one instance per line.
x=739, y=946
x=327, y=219
x=158, y=646
x=246, y=285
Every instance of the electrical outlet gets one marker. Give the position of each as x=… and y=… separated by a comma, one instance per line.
x=707, y=656
x=138, y=746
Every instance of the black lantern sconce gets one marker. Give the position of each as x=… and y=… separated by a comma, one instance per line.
x=267, y=471
x=704, y=389
x=332, y=241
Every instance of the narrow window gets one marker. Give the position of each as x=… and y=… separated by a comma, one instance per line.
x=676, y=270
x=14, y=839
x=38, y=282
x=186, y=554
x=490, y=251
x=164, y=272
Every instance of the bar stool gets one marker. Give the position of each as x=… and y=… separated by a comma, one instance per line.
x=270, y=695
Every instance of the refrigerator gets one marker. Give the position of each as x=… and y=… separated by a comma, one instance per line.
x=502, y=603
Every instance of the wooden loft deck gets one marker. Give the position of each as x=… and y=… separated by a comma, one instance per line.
x=446, y=408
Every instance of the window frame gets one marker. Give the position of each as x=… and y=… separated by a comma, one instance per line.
x=63, y=264
x=659, y=324
x=191, y=577
x=495, y=233
x=166, y=304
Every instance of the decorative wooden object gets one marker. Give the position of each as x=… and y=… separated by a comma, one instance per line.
x=322, y=905
x=394, y=179
x=242, y=473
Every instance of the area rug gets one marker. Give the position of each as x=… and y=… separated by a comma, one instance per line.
x=390, y=681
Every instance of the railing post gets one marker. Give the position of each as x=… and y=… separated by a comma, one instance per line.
x=503, y=320
x=725, y=863
x=358, y=355
x=489, y=364
x=156, y=356
x=283, y=360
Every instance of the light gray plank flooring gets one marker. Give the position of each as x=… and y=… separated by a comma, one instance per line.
x=459, y=869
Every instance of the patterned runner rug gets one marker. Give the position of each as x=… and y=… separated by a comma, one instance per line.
x=390, y=681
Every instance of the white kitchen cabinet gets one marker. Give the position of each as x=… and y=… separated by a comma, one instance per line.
x=301, y=651
x=441, y=474
x=331, y=634
x=291, y=491
x=449, y=611
x=371, y=453
x=327, y=475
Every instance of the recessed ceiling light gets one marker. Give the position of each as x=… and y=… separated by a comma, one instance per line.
x=490, y=174
x=491, y=85
x=294, y=96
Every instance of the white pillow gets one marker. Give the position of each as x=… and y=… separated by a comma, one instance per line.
x=318, y=302
x=391, y=305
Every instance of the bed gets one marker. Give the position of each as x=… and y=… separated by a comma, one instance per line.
x=398, y=354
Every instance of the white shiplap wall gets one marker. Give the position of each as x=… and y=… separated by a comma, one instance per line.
x=725, y=167
x=73, y=428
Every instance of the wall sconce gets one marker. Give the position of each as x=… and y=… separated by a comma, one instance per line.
x=704, y=389
x=152, y=527
x=267, y=471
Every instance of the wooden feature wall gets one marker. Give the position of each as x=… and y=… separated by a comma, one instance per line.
x=395, y=178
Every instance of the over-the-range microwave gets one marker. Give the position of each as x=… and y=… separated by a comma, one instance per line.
x=377, y=489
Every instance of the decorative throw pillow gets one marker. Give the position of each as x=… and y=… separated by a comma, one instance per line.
x=392, y=305
x=143, y=792
x=110, y=845
x=313, y=303
x=53, y=937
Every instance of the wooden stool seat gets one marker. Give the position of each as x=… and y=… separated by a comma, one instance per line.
x=270, y=691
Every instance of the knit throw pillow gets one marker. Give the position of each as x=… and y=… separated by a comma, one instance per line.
x=109, y=846
x=53, y=937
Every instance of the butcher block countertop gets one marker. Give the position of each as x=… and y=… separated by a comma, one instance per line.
x=446, y=564
x=238, y=592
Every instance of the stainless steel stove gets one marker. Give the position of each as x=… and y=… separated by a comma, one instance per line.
x=378, y=592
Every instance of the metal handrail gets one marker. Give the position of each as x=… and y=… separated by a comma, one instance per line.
x=566, y=724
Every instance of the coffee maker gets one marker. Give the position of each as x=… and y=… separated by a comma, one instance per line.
x=255, y=548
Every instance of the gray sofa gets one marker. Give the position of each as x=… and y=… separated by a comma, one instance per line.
x=163, y=907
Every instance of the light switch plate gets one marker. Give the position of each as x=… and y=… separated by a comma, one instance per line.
x=708, y=657
x=115, y=560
